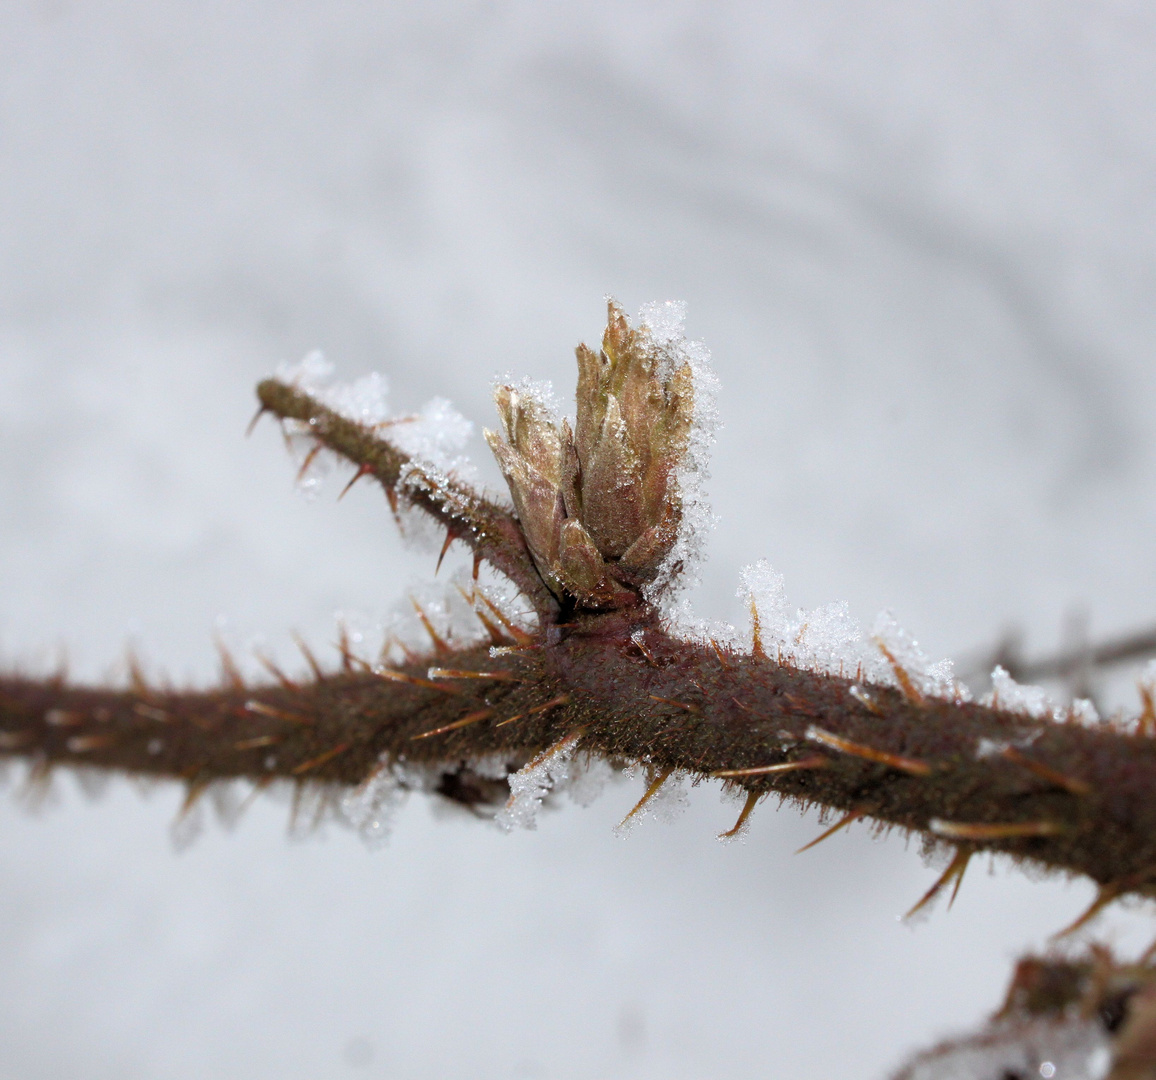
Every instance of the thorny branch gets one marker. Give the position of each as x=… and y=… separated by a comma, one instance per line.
x=592, y=542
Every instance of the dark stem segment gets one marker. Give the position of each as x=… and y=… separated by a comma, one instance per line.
x=678, y=705
x=490, y=530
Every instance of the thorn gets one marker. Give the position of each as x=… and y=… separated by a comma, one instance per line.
x=362, y=470
x=651, y=791
x=150, y=712
x=1147, y=724
x=910, y=690
x=82, y=744
x=954, y=872
x=413, y=680
x=14, y=740
x=866, y=700
x=752, y=798
x=439, y=644
x=261, y=411
x=63, y=718
x=477, y=565
x=1105, y=894
x=516, y=632
x=847, y=819
x=745, y=708
x=719, y=653
x=321, y=759
x=261, y=709
x=451, y=536
x=561, y=699
x=783, y=767
x=756, y=632
x=868, y=753
x=637, y=640
x=454, y=673
x=258, y=787
x=260, y=740
x=309, y=459
x=1046, y=772
x=310, y=659
x=136, y=676
x=197, y=788
x=391, y=498
x=979, y=830
x=465, y=721
x=230, y=673
x=343, y=647
x=267, y=663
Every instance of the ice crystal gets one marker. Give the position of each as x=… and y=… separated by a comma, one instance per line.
x=532, y=783
x=667, y=803
x=1008, y=694
x=369, y=806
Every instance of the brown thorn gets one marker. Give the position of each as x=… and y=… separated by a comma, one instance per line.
x=847, y=819
x=310, y=659
x=261, y=709
x=343, y=647
x=955, y=871
x=136, y=677
x=496, y=635
x=639, y=644
x=983, y=831
x=258, y=787
x=454, y=673
x=865, y=699
x=63, y=718
x=268, y=664
x=1147, y=721
x=477, y=564
x=1046, y=772
x=412, y=680
x=756, y=632
x=82, y=744
x=465, y=721
x=509, y=720
x=197, y=788
x=561, y=699
x=321, y=759
x=391, y=498
x=910, y=690
x=868, y=753
x=1105, y=894
x=719, y=653
x=151, y=712
x=677, y=704
x=451, y=536
x=745, y=708
x=439, y=644
x=516, y=632
x=651, y=791
x=752, y=798
x=260, y=740
x=261, y=411
x=230, y=673
x=765, y=770
x=362, y=470
x=309, y=459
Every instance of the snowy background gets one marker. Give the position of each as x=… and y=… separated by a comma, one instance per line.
x=920, y=241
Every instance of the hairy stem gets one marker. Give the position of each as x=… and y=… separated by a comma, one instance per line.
x=489, y=530
x=1073, y=799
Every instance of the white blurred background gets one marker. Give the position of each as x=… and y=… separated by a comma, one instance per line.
x=920, y=241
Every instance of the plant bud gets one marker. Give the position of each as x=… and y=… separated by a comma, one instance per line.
x=599, y=505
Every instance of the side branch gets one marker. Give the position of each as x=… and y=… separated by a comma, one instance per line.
x=490, y=530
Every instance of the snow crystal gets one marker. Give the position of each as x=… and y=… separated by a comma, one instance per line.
x=589, y=775
x=310, y=373
x=1008, y=694
x=369, y=806
x=532, y=783
x=365, y=400
x=827, y=639
x=680, y=568
x=435, y=437
x=1083, y=711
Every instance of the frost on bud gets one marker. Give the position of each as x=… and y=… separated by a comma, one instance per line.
x=599, y=504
